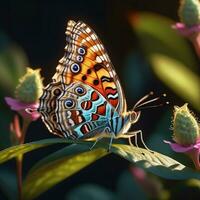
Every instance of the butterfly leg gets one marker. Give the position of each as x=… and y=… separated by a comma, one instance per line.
x=129, y=135
x=111, y=140
x=97, y=140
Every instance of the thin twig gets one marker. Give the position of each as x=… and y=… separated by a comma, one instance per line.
x=19, y=159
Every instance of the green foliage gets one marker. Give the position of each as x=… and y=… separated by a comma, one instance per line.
x=12, y=63
x=178, y=77
x=14, y=151
x=69, y=160
x=169, y=55
x=46, y=176
x=155, y=163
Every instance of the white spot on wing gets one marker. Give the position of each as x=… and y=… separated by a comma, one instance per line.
x=104, y=56
x=69, y=114
x=71, y=122
x=88, y=38
x=98, y=59
x=83, y=41
x=79, y=119
x=94, y=48
x=88, y=30
x=93, y=36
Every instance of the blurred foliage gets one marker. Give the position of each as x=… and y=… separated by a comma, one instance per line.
x=48, y=175
x=128, y=188
x=12, y=65
x=90, y=191
x=8, y=183
x=13, y=62
x=169, y=54
x=156, y=36
x=69, y=160
x=178, y=77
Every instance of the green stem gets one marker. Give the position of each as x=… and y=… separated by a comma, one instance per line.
x=195, y=38
x=19, y=159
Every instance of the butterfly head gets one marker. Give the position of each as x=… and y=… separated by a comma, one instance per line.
x=134, y=116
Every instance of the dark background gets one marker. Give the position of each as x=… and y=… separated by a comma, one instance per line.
x=39, y=26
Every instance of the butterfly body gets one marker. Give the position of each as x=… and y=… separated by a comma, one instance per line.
x=85, y=99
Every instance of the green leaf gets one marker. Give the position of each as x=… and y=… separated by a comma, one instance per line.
x=155, y=163
x=64, y=152
x=12, y=64
x=17, y=150
x=46, y=176
x=178, y=77
x=157, y=36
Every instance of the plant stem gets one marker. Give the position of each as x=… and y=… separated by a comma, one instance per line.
x=196, y=42
x=19, y=159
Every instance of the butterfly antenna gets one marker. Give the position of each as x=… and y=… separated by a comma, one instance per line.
x=142, y=104
x=154, y=106
x=142, y=99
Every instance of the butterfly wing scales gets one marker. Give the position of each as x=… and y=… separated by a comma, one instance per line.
x=96, y=67
x=96, y=73
x=88, y=115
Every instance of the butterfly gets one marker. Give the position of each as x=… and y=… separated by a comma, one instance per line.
x=85, y=99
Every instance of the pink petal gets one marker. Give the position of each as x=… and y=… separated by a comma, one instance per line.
x=138, y=173
x=18, y=105
x=186, y=30
x=21, y=107
x=197, y=145
x=179, y=148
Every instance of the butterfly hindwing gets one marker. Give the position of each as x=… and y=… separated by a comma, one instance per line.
x=84, y=110
x=48, y=107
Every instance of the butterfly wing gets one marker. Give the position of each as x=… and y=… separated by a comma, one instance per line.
x=48, y=105
x=86, y=61
x=82, y=112
x=85, y=67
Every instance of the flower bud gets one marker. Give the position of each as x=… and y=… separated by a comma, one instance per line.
x=30, y=86
x=189, y=12
x=186, y=129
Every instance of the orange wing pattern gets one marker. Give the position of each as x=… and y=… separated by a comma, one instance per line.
x=86, y=60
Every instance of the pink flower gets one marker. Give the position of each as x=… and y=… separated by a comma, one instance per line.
x=26, y=110
x=191, y=32
x=186, y=30
x=186, y=134
x=192, y=150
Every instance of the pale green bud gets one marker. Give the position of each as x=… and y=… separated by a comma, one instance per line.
x=189, y=12
x=186, y=128
x=30, y=86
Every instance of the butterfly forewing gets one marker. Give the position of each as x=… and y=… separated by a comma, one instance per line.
x=85, y=51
